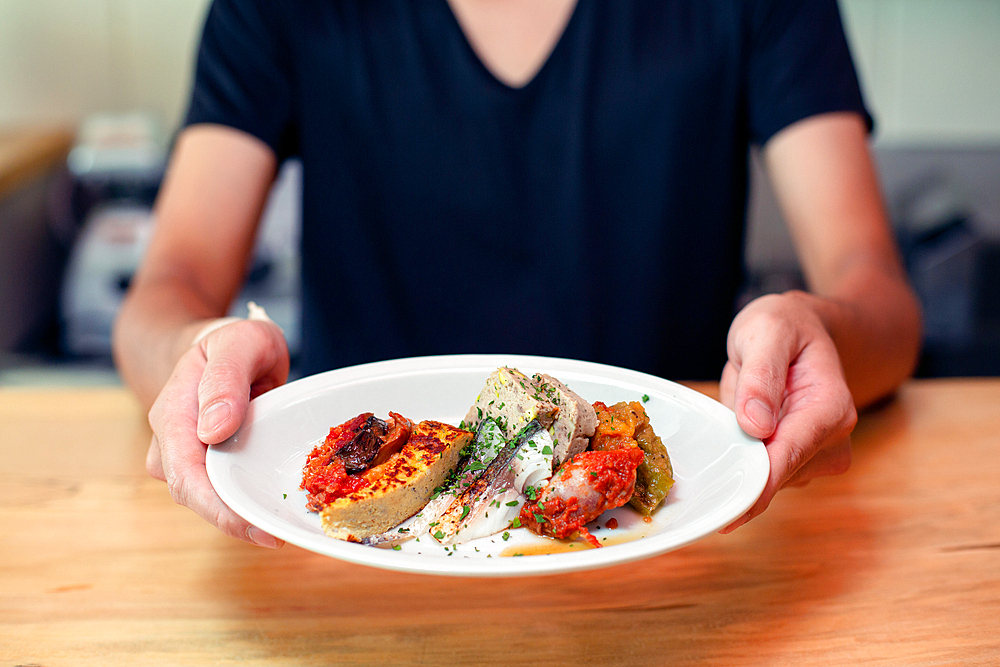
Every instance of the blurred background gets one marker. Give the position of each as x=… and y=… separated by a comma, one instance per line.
x=92, y=92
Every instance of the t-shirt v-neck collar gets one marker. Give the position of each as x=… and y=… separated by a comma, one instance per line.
x=487, y=73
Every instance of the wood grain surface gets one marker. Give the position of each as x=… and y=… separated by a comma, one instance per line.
x=896, y=562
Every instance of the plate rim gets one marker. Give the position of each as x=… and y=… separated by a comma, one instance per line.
x=302, y=389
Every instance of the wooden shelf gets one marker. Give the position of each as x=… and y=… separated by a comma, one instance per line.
x=27, y=153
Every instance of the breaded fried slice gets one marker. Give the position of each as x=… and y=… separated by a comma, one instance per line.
x=400, y=487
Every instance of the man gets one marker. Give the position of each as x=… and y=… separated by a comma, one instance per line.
x=550, y=177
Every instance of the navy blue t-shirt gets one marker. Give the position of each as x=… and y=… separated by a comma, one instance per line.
x=595, y=213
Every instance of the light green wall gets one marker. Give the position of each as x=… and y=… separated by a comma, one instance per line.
x=930, y=68
x=63, y=59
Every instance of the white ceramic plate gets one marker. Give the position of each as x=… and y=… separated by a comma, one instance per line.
x=719, y=470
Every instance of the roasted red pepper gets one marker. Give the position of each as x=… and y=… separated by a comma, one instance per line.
x=348, y=459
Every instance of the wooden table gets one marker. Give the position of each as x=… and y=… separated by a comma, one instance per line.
x=895, y=563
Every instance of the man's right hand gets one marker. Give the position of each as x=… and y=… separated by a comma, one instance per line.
x=202, y=404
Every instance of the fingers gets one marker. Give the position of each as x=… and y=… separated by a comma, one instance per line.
x=242, y=360
x=833, y=460
x=177, y=454
x=154, y=464
x=811, y=440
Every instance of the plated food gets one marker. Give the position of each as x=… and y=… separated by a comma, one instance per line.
x=719, y=470
x=530, y=453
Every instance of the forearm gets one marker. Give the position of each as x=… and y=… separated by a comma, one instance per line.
x=827, y=185
x=206, y=212
x=155, y=326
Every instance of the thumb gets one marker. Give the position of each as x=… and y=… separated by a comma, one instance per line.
x=242, y=360
x=762, y=374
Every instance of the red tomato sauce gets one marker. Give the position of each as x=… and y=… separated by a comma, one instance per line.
x=559, y=512
x=324, y=477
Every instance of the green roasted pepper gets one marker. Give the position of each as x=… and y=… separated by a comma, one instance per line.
x=655, y=475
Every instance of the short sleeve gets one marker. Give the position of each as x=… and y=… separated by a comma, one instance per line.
x=242, y=77
x=799, y=65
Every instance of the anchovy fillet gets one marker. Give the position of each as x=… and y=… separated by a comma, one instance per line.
x=474, y=501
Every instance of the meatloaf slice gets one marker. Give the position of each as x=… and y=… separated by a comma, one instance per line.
x=575, y=422
x=512, y=399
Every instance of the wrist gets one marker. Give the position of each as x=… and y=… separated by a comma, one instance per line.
x=254, y=313
x=213, y=325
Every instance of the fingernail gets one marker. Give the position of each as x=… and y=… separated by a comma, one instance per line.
x=213, y=417
x=760, y=414
x=735, y=524
x=262, y=539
